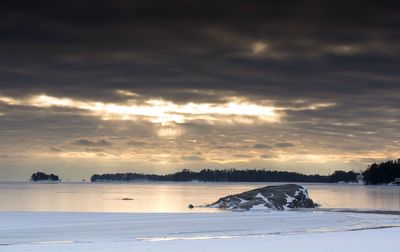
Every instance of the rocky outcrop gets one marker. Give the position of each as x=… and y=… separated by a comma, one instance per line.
x=281, y=197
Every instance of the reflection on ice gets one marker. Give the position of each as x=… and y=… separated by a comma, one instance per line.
x=174, y=197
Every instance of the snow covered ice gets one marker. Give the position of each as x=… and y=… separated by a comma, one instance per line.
x=226, y=231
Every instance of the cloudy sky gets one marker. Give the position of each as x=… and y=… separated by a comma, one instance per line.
x=157, y=86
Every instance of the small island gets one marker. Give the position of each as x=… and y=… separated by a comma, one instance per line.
x=42, y=177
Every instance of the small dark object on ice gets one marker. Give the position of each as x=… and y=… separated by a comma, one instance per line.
x=126, y=199
x=190, y=206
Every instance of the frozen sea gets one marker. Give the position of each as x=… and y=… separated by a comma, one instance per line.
x=150, y=197
x=310, y=231
x=93, y=217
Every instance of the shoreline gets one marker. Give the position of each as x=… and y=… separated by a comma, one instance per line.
x=190, y=182
x=361, y=211
x=66, y=182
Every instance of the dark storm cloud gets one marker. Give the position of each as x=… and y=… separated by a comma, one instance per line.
x=55, y=149
x=290, y=54
x=283, y=145
x=192, y=158
x=136, y=143
x=267, y=156
x=261, y=146
x=315, y=50
x=242, y=156
x=96, y=150
x=87, y=142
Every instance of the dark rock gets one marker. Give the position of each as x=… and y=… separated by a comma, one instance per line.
x=288, y=196
x=190, y=206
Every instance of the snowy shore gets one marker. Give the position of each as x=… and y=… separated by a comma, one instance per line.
x=228, y=231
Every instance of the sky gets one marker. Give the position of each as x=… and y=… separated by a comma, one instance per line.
x=158, y=86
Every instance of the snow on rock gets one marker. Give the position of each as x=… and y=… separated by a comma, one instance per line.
x=281, y=197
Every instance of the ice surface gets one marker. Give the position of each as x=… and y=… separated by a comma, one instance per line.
x=229, y=231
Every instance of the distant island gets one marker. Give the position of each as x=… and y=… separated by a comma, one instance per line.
x=41, y=176
x=229, y=175
x=375, y=174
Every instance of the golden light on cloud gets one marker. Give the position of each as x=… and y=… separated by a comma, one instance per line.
x=344, y=49
x=304, y=105
x=160, y=111
x=170, y=130
x=9, y=100
x=126, y=93
x=259, y=47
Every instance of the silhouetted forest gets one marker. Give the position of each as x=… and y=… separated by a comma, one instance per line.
x=229, y=175
x=382, y=173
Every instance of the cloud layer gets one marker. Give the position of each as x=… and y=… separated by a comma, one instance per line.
x=156, y=87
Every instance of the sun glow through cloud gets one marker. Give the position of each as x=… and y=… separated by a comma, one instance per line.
x=259, y=47
x=159, y=110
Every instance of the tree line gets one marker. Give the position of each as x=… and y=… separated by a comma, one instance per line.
x=383, y=173
x=228, y=175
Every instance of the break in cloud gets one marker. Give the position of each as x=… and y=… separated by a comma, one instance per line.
x=121, y=86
